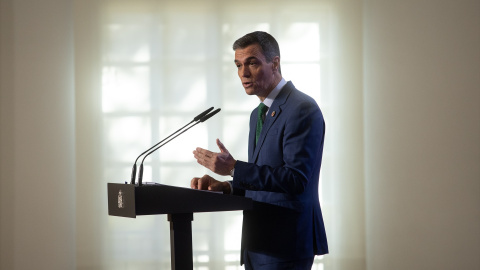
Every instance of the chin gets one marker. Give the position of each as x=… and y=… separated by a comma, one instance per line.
x=250, y=91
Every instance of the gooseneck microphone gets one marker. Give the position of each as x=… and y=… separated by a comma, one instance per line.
x=201, y=120
x=197, y=118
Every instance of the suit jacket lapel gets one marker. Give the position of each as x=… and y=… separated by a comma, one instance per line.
x=269, y=120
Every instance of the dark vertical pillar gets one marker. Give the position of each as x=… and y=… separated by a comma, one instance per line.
x=181, y=240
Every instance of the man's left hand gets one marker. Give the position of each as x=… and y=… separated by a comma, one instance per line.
x=220, y=163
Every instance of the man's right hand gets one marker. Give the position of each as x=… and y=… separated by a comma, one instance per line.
x=209, y=183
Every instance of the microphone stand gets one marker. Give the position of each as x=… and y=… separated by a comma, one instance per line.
x=203, y=119
x=134, y=169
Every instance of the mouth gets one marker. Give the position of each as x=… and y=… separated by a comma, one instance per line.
x=247, y=84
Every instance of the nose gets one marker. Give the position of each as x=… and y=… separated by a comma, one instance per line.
x=244, y=72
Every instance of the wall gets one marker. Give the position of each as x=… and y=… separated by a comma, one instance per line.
x=422, y=134
x=343, y=168
x=37, y=224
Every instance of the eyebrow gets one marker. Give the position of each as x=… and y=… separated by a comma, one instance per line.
x=246, y=60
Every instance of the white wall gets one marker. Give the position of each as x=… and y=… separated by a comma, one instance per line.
x=37, y=225
x=343, y=168
x=422, y=134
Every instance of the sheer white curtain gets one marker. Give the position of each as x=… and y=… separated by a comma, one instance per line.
x=145, y=68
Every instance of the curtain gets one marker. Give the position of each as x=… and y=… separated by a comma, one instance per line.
x=145, y=68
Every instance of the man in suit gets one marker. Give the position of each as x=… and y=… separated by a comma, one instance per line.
x=285, y=228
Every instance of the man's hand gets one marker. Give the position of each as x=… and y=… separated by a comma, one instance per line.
x=208, y=183
x=220, y=163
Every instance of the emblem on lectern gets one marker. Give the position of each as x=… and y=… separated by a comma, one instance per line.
x=120, y=199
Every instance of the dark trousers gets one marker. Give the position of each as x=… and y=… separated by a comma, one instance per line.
x=256, y=261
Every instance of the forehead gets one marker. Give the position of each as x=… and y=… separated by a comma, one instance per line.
x=251, y=51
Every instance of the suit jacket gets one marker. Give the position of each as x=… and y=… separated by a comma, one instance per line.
x=281, y=176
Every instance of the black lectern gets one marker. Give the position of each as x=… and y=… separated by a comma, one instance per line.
x=125, y=200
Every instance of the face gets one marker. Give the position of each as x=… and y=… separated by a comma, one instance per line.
x=257, y=75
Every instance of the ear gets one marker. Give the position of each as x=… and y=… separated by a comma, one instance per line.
x=276, y=63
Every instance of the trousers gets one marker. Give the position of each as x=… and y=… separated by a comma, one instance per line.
x=257, y=261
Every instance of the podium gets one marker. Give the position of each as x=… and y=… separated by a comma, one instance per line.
x=126, y=200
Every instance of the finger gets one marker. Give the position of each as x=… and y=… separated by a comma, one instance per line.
x=204, y=162
x=203, y=152
x=220, y=186
x=194, y=183
x=221, y=146
x=199, y=157
x=205, y=157
x=203, y=182
x=200, y=184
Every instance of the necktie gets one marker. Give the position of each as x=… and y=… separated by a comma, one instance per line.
x=262, y=109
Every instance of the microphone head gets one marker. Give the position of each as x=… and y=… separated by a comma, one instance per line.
x=202, y=114
x=205, y=118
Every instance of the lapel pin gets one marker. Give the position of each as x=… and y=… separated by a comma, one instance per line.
x=273, y=113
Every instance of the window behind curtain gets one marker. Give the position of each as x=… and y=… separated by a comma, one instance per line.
x=163, y=63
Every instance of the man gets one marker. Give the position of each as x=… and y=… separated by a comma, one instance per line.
x=285, y=229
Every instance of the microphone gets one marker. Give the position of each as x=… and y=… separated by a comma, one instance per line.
x=206, y=117
x=134, y=169
x=201, y=120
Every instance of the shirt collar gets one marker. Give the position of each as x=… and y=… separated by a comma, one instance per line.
x=271, y=97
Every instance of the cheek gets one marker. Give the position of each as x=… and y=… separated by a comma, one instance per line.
x=260, y=77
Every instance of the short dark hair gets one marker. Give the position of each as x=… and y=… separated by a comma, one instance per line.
x=268, y=44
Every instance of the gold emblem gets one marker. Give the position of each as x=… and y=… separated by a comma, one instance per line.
x=273, y=113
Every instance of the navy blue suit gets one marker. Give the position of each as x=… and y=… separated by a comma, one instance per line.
x=281, y=176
